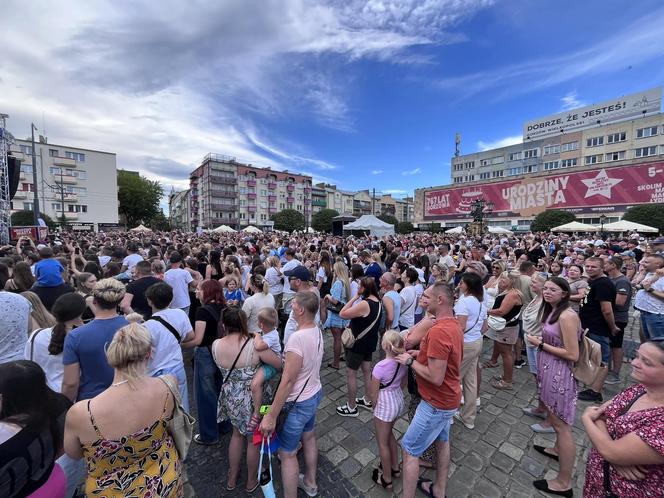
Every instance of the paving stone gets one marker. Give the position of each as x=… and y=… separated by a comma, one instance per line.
x=336, y=455
x=487, y=489
x=499, y=429
x=325, y=443
x=493, y=409
x=365, y=457
x=473, y=461
x=533, y=467
x=498, y=477
x=519, y=440
x=338, y=434
x=511, y=451
x=493, y=439
x=353, y=444
x=502, y=462
x=350, y=467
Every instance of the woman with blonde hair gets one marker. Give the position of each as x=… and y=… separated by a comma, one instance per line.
x=491, y=286
x=261, y=298
x=504, y=328
x=40, y=317
x=338, y=296
x=127, y=452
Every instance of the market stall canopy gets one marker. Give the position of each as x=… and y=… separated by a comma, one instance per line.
x=140, y=228
x=252, y=229
x=499, y=230
x=455, y=230
x=369, y=223
x=575, y=226
x=628, y=226
x=223, y=229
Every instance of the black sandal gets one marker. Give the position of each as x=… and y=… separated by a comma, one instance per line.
x=395, y=472
x=377, y=477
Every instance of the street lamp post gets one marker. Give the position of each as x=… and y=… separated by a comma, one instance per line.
x=602, y=220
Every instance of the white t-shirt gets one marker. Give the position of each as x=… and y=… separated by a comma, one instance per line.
x=103, y=260
x=354, y=288
x=476, y=312
x=293, y=263
x=51, y=364
x=179, y=279
x=272, y=341
x=274, y=280
x=408, y=304
x=131, y=260
x=166, y=352
x=253, y=305
x=308, y=344
x=321, y=276
x=419, y=290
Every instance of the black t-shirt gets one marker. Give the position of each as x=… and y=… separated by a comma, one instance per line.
x=534, y=255
x=590, y=309
x=48, y=295
x=211, y=320
x=137, y=289
x=368, y=343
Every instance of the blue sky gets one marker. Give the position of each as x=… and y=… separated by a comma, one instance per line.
x=364, y=94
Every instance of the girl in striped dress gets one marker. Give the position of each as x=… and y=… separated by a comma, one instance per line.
x=387, y=398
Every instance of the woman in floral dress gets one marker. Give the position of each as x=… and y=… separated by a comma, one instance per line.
x=627, y=433
x=558, y=349
x=238, y=361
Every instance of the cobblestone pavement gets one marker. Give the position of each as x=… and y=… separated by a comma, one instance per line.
x=495, y=459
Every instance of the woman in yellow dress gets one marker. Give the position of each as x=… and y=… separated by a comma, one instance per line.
x=122, y=432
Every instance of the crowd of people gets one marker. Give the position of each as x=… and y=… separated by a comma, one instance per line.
x=96, y=323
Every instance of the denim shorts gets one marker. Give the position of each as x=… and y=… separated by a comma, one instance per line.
x=531, y=352
x=428, y=425
x=301, y=419
x=603, y=341
x=653, y=324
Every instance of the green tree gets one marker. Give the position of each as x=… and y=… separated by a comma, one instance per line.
x=27, y=218
x=288, y=220
x=404, y=227
x=388, y=218
x=139, y=198
x=546, y=220
x=647, y=214
x=322, y=220
x=160, y=222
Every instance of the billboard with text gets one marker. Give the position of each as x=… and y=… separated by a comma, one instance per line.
x=597, y=190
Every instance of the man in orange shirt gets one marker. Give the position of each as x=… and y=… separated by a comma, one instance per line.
x=437, y=366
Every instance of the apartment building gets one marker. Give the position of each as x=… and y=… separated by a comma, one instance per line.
x=401, y=209
x=79, y=183
x=224, y=191
x=601, y=167
x=179, y=209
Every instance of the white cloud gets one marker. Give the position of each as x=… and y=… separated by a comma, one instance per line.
x=376, y=171
x=412, y=172
x=571, y=101
x=396, y=192
x=501, y=142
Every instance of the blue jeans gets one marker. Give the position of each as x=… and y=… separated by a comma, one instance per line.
x=653, y=324
x=604, y=343
x=428, y=425
x=207, y=384
x=301, y=419
x=75, y=473
x=181, y=376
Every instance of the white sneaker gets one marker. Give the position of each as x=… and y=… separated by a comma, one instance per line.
x=477, y=403
x=309, y=491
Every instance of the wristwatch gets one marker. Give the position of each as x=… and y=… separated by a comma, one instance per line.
x=410, y=361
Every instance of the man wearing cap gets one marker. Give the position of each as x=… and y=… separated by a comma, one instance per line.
x=658, y=245
x=649, y=299
x=300, y=279
x=291, y=262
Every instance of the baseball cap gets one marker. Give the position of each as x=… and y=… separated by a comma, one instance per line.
x=300, y=272
x=658, y=240
x=629, y=254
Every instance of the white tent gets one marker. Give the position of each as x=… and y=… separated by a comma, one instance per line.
x=455, y=230
x=311, y=230
x=369, y=223
x=628, y=226
x=575, y=226
x=252, y=229
x=223, y=229
x=499, y=230
x=140, y=228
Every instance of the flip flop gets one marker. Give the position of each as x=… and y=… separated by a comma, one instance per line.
x=329, y=365
x=252, y=489
x=427, y=492
x=488, y=364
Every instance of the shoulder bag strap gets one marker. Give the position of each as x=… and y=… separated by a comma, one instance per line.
x=607, y=477
x=396, y=371
x=32, y=343
x=478, y=319
x=366, y=331
x=236, y=359
x=168, y=326
x=307, y=381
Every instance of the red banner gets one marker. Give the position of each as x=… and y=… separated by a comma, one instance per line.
x=600, y=189
x=16, y=233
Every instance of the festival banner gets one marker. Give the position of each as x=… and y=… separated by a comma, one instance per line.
x=597, y=190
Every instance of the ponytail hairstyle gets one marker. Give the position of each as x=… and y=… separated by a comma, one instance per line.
x=129, y=350
x=393, y=343
x=67, y=307
x=257, y=280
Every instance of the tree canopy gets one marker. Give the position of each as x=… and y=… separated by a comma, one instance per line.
x=27, y=218
x=546, y=220
x=139, y=198
x=647, y=214
x=322, y=220
x=288, y=220
x=404, y=227
x=388, y=218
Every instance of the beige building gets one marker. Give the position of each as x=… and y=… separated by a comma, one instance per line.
x=82, y=183
x=179, y=209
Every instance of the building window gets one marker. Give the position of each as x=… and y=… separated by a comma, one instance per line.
x=497, y=160
x=551, y=149
x=76, y=156
x=27, y=187
x=485, y=176
x=616, y=156
x=614, y=138
x=53, y=152
x=26, y=149
x=594, y=159
x=514, y=171
x=26, y=168
x=551, y=165
x=530, y=169
x=82, y=175
x=515, y=156
x=530, y=153
x=484, y=162
x=457, y=167
x=646, y=132
x=568, y=163
x=55, y=206
x=498, y=174
x=27, y=206
x=594, y=142
x=458, y=179
x=645, y=151
x=566, y=147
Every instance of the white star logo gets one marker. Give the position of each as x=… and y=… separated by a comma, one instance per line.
x=600, y=185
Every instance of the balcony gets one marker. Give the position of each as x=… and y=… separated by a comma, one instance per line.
x=224, y=180
x=290, y=187
x=70, y=197
x=251, y=196
x=272, y=209
x=223, y=207
x=319, y=202
x=223, y=193
x=272, y=198
x=71, y=216
x=271, y=185
x=252, y=209
x=70, y=179
x=64, y=161
x=290, y=200
x=21, y=194
x=251, y=183
x=307, y=190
